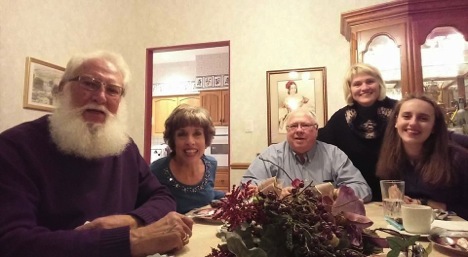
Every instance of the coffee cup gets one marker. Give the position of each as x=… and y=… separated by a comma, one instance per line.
x=417, y=219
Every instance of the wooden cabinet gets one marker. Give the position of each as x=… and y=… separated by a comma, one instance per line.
x=217, y=104
x=222, y=179
x=163, y=106
x=409, y=25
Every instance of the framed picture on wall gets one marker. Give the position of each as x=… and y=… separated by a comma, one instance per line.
x=199, y=82
x=208, y=82
x=292, y=89
x=226, y=80
x=40, y=82
x=218, y=81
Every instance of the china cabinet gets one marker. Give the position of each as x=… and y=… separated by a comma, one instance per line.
x=420, y=46
x=217, y=104
x=163, y=106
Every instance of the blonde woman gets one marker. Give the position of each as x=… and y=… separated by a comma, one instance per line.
x=358, y=128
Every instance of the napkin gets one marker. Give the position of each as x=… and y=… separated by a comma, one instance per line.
x=451, y=225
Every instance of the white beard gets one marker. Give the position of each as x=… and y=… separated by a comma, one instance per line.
x=74, y=136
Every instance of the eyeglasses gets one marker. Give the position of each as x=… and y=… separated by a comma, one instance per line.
x=93, y=85
x=304, y=126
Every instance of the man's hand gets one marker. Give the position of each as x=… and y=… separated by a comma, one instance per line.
x=170, y=233
x=113, y=221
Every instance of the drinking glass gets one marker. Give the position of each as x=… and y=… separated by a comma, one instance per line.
x=393, y=192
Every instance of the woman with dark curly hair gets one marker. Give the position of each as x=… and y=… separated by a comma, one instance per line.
x=187, y=171
x=417, y=149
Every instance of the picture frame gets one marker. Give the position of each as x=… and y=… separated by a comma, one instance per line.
x=199, y=82
x=226, y=80
x=208, y=82
x=41, y=80
x=218, y=81
x=310, y=94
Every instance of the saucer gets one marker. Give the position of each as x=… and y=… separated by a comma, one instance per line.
x=403, y=232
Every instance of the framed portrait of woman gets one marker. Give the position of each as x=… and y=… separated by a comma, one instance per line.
x=288, y=90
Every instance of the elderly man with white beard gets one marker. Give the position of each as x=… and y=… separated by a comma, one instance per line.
x=74, y=183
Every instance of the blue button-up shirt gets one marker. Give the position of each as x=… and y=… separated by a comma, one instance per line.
x=324, y=163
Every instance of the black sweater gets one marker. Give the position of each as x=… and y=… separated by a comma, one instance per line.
x=363, y=152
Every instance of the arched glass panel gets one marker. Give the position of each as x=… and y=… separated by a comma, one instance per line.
x=384, y=54
x=444, y=59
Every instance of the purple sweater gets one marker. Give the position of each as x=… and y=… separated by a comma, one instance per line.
x=45, y=194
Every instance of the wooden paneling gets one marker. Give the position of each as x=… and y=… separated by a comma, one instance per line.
x=217, y=104
x=408, y=23
x=163, y=106
x=222, y=179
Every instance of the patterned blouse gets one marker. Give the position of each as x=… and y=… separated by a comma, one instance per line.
x=188, y=197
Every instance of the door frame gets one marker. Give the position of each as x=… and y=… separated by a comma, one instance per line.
x=149, y=85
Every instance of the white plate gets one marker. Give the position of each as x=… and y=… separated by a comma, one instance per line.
x=205, y=214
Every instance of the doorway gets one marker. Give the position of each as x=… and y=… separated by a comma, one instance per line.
x=193, y=74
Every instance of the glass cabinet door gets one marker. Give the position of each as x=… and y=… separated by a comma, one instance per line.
x=431, y=37
x=384, y=54
x=444, y=61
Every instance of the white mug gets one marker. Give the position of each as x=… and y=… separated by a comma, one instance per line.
x=417, y=219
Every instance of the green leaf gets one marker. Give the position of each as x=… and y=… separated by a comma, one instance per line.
x=273, y=241
x=396, y=243
x=411, y=240
x=428, y=250
x=235, y=244
x=246, y=235
x=393, y=253
x=255, y=252
x=237, y=247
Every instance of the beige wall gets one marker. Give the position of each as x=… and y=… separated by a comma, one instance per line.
x=264, y=35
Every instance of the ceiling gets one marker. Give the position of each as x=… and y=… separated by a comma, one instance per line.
x=186, y=55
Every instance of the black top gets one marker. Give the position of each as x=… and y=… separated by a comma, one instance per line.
x=358, y=131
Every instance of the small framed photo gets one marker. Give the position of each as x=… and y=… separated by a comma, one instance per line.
x=41, y=80
x=208, y=82
x=226, y=80
x=287, y=90
x=199, y=82
x=218, y=82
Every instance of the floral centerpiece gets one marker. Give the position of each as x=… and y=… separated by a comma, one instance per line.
x=304, y=223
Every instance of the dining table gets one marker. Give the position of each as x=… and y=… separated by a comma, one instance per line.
x=204, y=235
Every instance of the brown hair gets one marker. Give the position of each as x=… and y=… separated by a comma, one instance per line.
x=435, y=166
x=185, y=115
x=288, y=86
